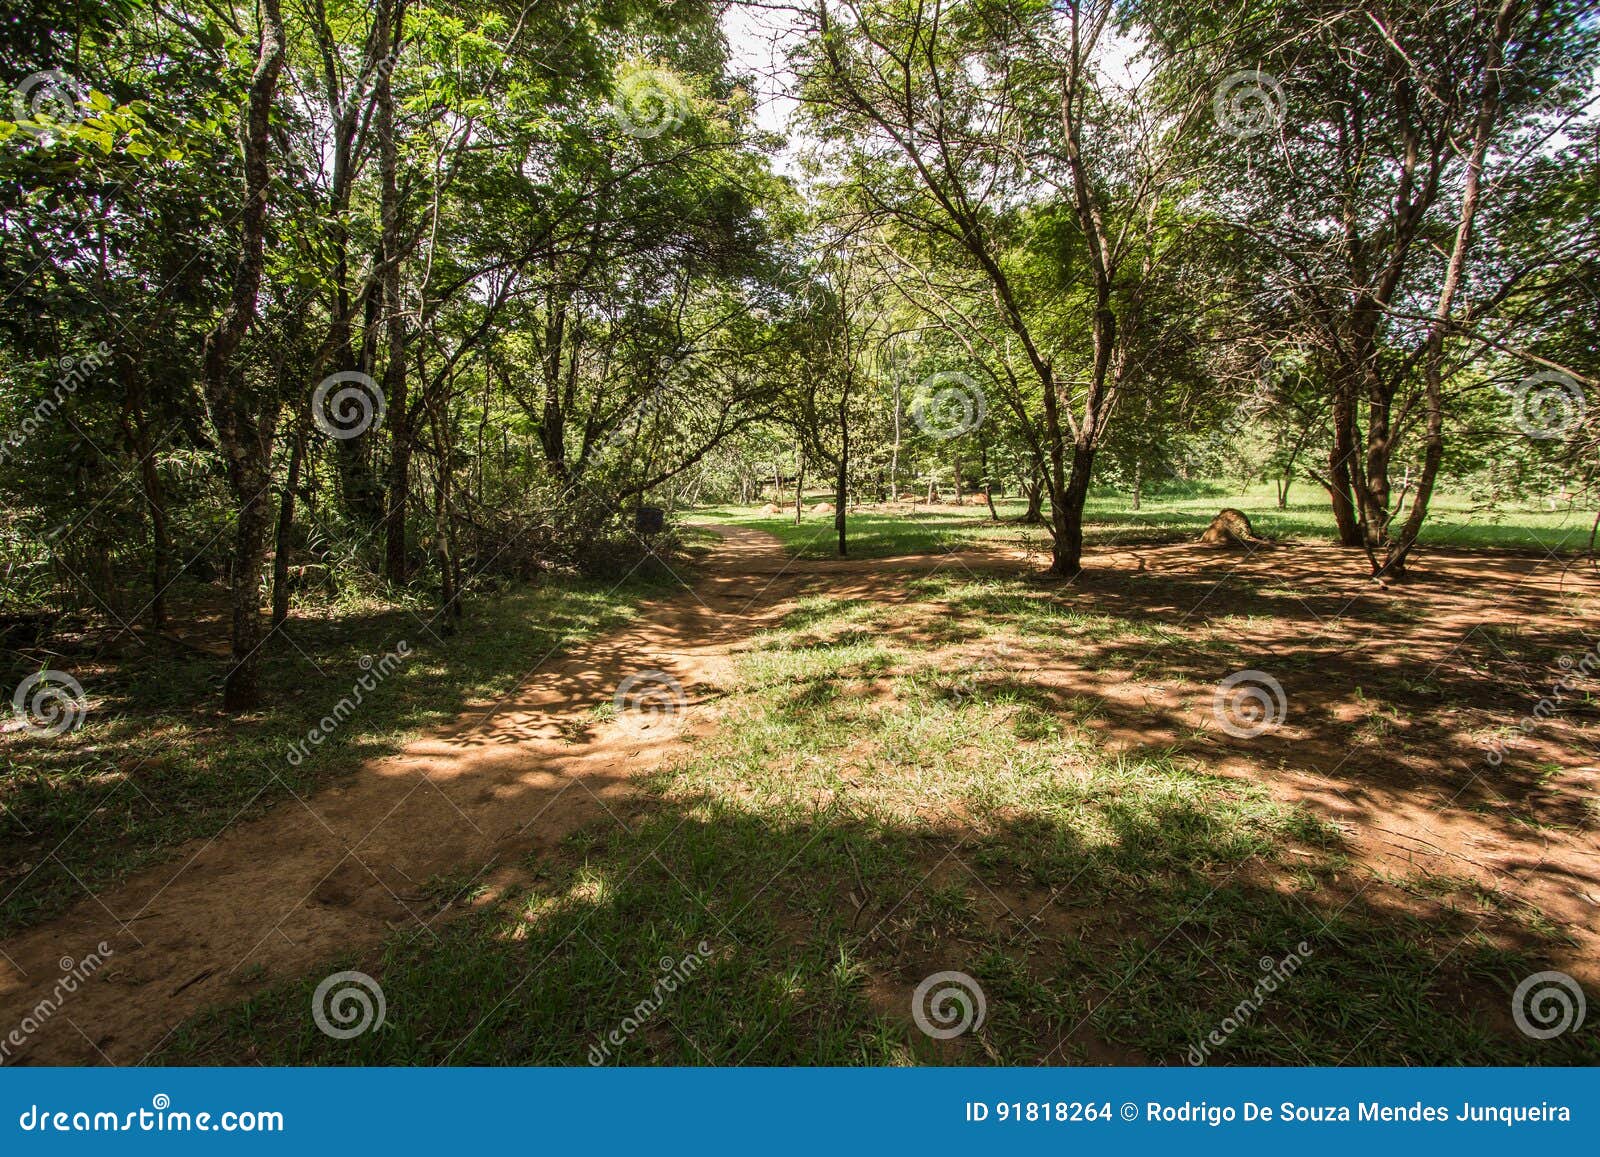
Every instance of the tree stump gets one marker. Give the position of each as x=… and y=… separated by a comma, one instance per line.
x=1231, y=528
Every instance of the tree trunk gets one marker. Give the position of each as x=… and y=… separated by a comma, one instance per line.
x=1138, y=484
x=449, y=597
x=799, y=485
x=244, y=421
x=894, y=453
x=1339, y=459
x=841, y=486
x=986, y=481
x=1066, y=514
x=361, y=496
x=280, y=557
x=136, y=428
x=390, y=15
x=160, y=541
x=1034, y=489
x=840, y=497
x=1433, y=452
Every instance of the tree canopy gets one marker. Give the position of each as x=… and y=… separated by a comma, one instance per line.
x=311, y=295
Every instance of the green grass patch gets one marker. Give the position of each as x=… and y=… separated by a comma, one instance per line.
x=867, y=814
x=1454, y=520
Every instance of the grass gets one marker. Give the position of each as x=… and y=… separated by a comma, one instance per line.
x=883, y=799
x=156, y=763
x=1454, y=521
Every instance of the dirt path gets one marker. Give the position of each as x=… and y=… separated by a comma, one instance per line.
x=334, y=874
x=342, y=869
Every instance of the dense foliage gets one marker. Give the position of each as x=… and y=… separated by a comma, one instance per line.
x=306, y=296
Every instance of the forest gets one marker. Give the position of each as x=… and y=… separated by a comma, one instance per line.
x=1087, y=505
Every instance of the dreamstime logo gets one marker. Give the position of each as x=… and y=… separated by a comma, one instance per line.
x=1247, y=104
x=948, y=404
x=646, y=696
x=1548, y=406
x=947, y=1004
x=1249, y=703
x=673, y=388
x=650, y=102
x=48, y=703
x=674, y=974
x=1548, y=1004
x=1576, y=670
x=74, y=373
x=1273, y=974
x=74, y=973
x=374, y=672
x=53, y=96
x=997, y=659
x=347, y=1004
x=352, y=409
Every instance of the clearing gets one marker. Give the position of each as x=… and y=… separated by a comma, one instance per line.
x=880, y=770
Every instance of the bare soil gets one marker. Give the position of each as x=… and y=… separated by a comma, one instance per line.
x=1392, y=695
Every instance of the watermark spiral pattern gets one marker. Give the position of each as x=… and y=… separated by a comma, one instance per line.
x=54, y=97
x=347, y=404
x=948, y=404
x=1248, y=104
x=347, y=1004
x=948, y=1004
x=48, y=703
x=1249, y=703
x=645, y=697
x=1548, y=1004
x=1548, y=406
x=650, y=102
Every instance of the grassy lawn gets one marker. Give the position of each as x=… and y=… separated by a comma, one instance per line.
x=1453, y=521
x=885, y=797
x=156, y=762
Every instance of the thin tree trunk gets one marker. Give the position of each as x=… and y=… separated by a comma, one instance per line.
x=1034, y=489
x=1068, y=513
x=985, y=481
x=245, y=422
x=799, y=484
x=1433, y=452
x=894, y=453
x=841, y=487
x=136, y=428
x=449, y=597
x=391, y=14
x=280, y=558
x=1339, y=460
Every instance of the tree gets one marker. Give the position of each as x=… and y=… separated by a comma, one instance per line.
x=986, y=131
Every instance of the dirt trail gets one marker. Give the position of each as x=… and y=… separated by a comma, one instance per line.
x=340, y=870
x=336, y=873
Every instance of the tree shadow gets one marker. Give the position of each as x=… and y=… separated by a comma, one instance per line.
x=706, y=932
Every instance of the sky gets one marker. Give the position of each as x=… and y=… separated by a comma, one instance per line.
x=757, y=39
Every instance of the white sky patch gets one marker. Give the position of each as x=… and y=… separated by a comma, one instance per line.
x=758, y=38
x=759, y=35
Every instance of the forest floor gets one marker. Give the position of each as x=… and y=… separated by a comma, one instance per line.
x=884, y=770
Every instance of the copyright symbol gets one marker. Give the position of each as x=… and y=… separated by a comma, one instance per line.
x=1129, y=1110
